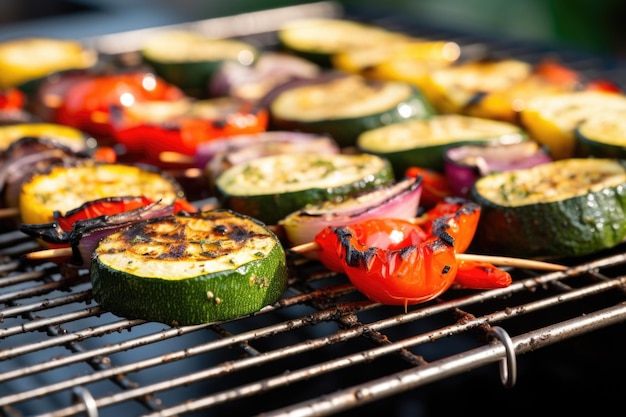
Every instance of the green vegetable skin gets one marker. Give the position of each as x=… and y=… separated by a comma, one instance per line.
x=422, y=143
x=272, y=187
x=317, y=39
x=346, y=106
x=233, y=266
x=601, y=136
x=567, y=208
x=189, y=60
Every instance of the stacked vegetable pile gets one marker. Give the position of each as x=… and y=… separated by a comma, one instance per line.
x=384, y=156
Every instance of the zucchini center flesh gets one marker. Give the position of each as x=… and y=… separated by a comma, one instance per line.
x=437, y=130
x=566, y=208
x=189, y=268
x=64, y=188
x=347, y=97
x=270, y=188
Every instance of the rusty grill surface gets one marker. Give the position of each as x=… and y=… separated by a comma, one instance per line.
x=322, y=350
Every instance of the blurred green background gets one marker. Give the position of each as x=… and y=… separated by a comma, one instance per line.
x=592, y=25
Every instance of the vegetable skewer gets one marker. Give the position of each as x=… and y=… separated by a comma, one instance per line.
x=496, y=260
x=397, y=262
x=312, y=246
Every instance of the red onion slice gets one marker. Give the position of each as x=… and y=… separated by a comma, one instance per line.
x=464, y=164
x=399, y=200
x=217, y=155
x=85, y=234
x=253, y=82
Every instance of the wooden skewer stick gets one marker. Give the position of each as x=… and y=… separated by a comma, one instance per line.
x=176, y=158
x=45, y=254
x=312, y=246
x=495, y=260
x=9, y=212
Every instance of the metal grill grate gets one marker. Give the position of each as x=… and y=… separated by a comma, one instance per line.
x=323, y=349
x=63, y=355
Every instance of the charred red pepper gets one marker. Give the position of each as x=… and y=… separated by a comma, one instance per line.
x=87, y=103
x=391, y=261
x=56, y=233
x=398, y=262
x=557, y=73
x=205, y=121
x=112, y=205
x=457, y=217
x=435, y=186
x=12, y=99
x=481, y=276
x=99, y=207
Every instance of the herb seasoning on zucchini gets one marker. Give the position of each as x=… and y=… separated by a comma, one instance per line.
x=271, y=187
x=422, y=143
x=552, y=119
x=73, y=138
x=189, y=59
x=189, y=268
x=602, y=136
x=566, y=208
x=26, y=61
x=318, y=39
x=344, y=106
x=63, y=188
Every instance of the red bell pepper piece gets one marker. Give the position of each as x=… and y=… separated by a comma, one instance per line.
x=12, y=99
x=457, y=217
x=87, y=104
x=390, y=261
x=397, y=262
x=481, y=276
x=222, y=118
x=109, y=206
x=435, y=186
x=557, y=73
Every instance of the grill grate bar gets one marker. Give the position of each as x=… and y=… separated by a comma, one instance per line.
x=437, y=370
x=16, y=279
x=41, y=323
x=48, y=303
x=319, y=332
x=299, y=348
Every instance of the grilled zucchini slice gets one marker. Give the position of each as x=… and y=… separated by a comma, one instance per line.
x=345, y=106
x=318, y=39
x=456, y=88
x=26, y=61
x=74, y=139
x=271, y=187
x=189, y=59
x=570, y=207
x=62, y=188
x=423, y=143
x=189, y=268
x=552, y=119
x=601, y=136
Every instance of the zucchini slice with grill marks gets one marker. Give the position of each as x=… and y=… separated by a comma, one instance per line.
x=602, y=136
x=423, y=143
x=189, y=59
x=189, y=268
x=318, y=39
x=552, y=119
x=344, y=106
x=73, y=138
x=570, y=207
x=63, y=188
x=24, y=62
x=271, y=187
